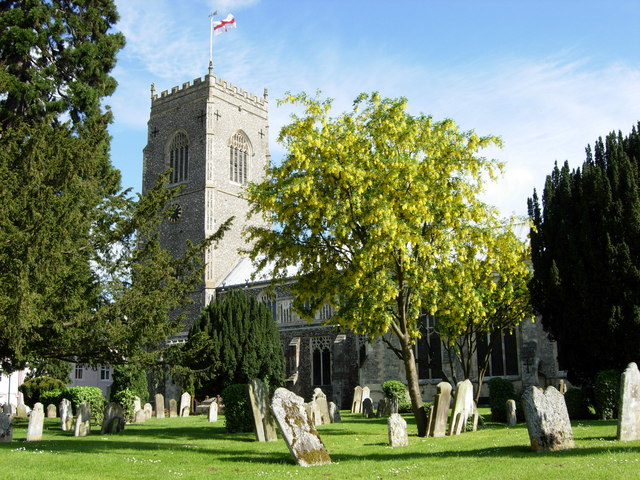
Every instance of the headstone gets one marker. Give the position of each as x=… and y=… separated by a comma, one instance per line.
x=629, y=407
x=397, y=431
x=36, y=423
x=185, y=404
x=512, y=419
x=334, y=413
x=66, y=415
x=113, y=421
x=356, y=404
x=148, y=410
x=136, y=405
x=173, y=408
x=562, y=386
x=21, y=411
x=430, y=419
x=366, y=393
x=300, y=435
x=441, y=409
x=547, y=419
x=382, y=407
x=159, y=401
x=6, y=428
x=263, y=422
x=367, y=408
x=462, y=407
x=6, y=409
x=321, y=400
x=52, y=411
x=213, y=411
x=83, y=420
x=313, y=412
x=140, y=416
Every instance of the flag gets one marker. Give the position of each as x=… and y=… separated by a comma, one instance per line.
x=223, y=25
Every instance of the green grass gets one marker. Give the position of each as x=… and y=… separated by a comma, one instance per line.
x=192, y=448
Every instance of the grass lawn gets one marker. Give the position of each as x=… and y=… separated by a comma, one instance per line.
x=192, y=448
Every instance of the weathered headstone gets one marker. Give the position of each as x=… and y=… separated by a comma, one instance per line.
x=173, y=408
x=52, y=411
x=629, y=407
x=6, y=428
x=562, y=386
x=382, y=407
x=148, y=410
x=66, y=415
x=113, y=421
x=21, y=411
x=263, y=422
x=313, y=413
x=7, y=409
x=185, y=404
x=397, y=431
x=159, y=401
x=83, y=420
x=547, y=419
x=213, y=411
x=462, y=407
x=356, y=404
x=441, y=409
x=366, y=393
x=334, y=413
x=140, y=416
x=512, y=419
x=300, y=435
x=36, y=423
x=137, y=405
x=321, y=400
x=367, y=408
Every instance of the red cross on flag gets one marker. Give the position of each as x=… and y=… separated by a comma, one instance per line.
x=221, y=26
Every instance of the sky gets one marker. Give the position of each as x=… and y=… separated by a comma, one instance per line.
x=547, y=76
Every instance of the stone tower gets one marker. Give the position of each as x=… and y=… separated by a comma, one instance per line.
x=214, y=137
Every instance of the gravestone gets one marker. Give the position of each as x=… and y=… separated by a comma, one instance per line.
x=321, y=400
x=382, y=406
x=213, y=411
x=140, y=416
x=462, y=407
x=263, y=422
x=367, y=408
x=366, y=393
x=185, y=404
x=441, y=408
x=313, y=413
x=83, y=420
x=430, y=419
x=629, y=407
x=6, y=428
x=36, y=423
x=66, y=415
x=547, y=419
x=173, y=408
x=113, y=421
x=136, y=405
x=21, y=411
x=7, y=409
x=562, y=386
x=356, y=404
x=512, y=419
x=148, y=410
x=334, y=413
x=159, y=401
x=299, y=434
x=397, y=431
x=52, y=411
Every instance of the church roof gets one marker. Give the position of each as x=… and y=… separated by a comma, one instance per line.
x=246, y=272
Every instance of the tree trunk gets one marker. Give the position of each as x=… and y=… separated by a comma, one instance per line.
x=413, y=386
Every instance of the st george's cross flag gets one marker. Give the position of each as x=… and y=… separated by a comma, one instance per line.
x=221, y=26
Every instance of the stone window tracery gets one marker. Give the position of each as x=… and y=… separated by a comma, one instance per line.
x=321, y=360
x=238, y=155
x=179, y=158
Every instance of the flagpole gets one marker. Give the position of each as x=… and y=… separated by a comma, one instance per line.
x=211, y=41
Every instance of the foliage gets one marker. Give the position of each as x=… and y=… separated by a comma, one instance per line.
x=34, y=388
x=234, y=341
x=500, y=390
x=51, y=397
x=577, y=404
x=125, y=398
x=132, y=378
x=50, y=367
x=91, y=395
x=237, y=411
x=586, y=257
x=394, y=388
x=606, y=393
x=371, y=206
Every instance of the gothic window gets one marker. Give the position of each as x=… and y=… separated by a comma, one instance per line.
x=504, y=356
x=321, y=360
x=179, y=158
x=292, y=357
x=429, y=350
x=238, y=154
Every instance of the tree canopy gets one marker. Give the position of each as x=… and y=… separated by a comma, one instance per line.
x=586, y=255
x=374, y=207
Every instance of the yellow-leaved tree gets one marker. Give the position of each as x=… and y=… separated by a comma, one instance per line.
x=373, y=207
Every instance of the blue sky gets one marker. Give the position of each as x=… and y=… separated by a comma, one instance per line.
x=548, y=77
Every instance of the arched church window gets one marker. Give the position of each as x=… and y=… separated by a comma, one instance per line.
x=179, y=158
x=238, y=154
x=321, y=360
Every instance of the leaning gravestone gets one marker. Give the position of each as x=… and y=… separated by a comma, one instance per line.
x=356, y=405
x=159, y=400
x=367, y=408
x=397, y=431
x=629, y=407
x=334, y=413
x=263, y=422
x=36, y=423
x=462, y=407
x=547, y=419
x=213, y=411
x=173, y=408
x=6, y=428
x=66, y=415
x=113, y=421
x=321, y=400
x=52, y=411
x=512, y=419
x=148, y=410
x=300, y=435
x=83, y=421
x=185, y=404
x=441, y=410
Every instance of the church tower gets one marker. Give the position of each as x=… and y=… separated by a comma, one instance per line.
x=214, y=138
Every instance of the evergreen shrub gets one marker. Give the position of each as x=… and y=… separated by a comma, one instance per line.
x=130, y=377
x=92, y=395
x=606, y=394
x=125, y=399
x=237, y=411
x=577, y=404
x=33, y=389
x=395, y=388
x=500, y=390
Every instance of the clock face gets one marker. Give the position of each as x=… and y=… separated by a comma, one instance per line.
x=176, y=213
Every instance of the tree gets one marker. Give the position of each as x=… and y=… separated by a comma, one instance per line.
x=370, y=207
x=586, y=258
x=130, y=377
x=234, y=341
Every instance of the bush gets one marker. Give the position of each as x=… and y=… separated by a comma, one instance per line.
x=394, y=388
x=125, y=398
x=237, y=411
x=500, y=390
x=51, y=397
x=130, y=377
x=606, y=394
x=577, y=404
x=33, y=389
x=92, y=395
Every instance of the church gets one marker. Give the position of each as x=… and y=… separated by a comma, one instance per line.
x=214, y=136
